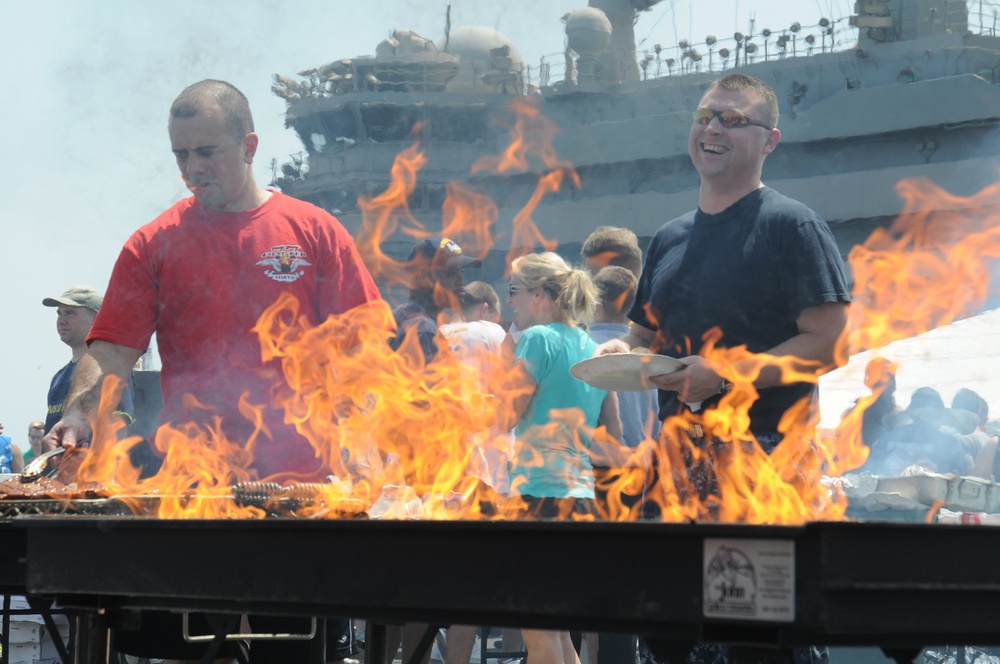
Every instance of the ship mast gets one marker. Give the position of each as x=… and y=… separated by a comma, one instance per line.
x=618, y=62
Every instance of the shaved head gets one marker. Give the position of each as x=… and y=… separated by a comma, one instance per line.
x=233, y=103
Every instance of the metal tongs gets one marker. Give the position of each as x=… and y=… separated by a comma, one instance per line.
x=41, y=466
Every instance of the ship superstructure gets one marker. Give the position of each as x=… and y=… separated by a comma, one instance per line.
x=914, y=96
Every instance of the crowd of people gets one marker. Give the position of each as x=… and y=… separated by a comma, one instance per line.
x=748, y=267
x=926, y=436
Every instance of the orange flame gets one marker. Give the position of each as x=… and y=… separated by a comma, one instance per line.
x=199, y=466
x=531, y=141
x=711, y=467
x=928, y=269
x=360, y=404
x=383, y=213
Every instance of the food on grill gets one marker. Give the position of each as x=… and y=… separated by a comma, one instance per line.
x=50, y=496
x=46, y=487
x=307, y=499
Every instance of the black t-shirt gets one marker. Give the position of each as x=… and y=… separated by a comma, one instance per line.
x=749, y=270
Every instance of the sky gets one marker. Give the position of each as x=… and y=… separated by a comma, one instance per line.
x=85, y=151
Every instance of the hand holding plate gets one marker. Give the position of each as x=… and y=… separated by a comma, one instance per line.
x=695, y=382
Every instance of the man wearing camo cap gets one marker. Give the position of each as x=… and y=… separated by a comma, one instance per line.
x=75, y=313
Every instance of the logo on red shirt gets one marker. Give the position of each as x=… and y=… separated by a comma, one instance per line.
x=284, y=262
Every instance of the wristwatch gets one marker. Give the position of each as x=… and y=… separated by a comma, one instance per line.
x=725, y=387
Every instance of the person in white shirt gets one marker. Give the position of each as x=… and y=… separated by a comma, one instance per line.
x=477, y=338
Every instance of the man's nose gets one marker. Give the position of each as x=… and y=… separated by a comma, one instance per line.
x=194, y=165
x=715, y=125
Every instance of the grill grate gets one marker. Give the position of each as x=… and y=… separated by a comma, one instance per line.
x=11, y=508
x=274, y=499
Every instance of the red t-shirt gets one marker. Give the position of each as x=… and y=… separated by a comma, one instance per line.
x=201, y=279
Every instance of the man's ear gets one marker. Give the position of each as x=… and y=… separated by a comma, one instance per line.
x=773, y=138
x=250, y=147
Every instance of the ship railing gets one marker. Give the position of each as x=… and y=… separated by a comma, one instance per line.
x=717, y=54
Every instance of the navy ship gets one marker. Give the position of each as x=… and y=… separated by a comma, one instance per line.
x=902, y=89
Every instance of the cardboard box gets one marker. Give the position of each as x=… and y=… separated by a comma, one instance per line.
x=23, y=631
x=32, y=653
x=968, y=494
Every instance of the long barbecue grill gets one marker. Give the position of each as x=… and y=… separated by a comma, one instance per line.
x=899, y=586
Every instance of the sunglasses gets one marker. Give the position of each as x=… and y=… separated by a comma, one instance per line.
x=728, y=119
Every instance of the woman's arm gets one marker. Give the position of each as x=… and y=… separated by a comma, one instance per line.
x=611, y=417
x=521, y=387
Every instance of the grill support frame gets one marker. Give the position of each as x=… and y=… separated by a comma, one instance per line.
x=881, y=584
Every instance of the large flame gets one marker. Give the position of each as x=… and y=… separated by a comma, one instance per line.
x=710, y=466
x=929, y=268
x=382, y=418
x=531, y=144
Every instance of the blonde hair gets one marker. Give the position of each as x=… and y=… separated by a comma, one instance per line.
x=572, y=290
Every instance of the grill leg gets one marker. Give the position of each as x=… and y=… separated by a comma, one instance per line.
x=426, y=641
x=374, y=642
x=902, y=655
x=92, y=638
x=5, y=636
x=221, y=625
x=319, y=642
x=57, y=641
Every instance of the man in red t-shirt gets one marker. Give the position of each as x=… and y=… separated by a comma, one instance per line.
x=201, y=274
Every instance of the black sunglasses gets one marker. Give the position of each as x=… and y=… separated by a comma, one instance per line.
x=728, y=119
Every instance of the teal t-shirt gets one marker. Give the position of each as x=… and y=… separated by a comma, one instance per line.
x=551, y=452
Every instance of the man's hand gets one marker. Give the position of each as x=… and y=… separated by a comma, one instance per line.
x=72, y=430
x=696, y=382
x=638, y=336
x=611, y=347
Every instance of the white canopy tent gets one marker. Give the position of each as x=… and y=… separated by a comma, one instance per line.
x=965, y=353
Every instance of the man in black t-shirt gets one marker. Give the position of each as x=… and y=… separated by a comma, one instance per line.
x=760, y=269
x=749, y=266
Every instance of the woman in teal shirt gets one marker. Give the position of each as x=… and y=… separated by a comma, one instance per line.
x=551, y=475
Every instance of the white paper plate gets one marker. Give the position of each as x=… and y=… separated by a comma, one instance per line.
x=624, y=372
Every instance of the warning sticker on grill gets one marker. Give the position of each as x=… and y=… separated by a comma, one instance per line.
x=749, y=579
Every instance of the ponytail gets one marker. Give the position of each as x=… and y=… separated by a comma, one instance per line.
x=572, y=290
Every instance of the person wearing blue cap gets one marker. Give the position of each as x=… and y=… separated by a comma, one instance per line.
x=76, y=310
x=437, y=284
